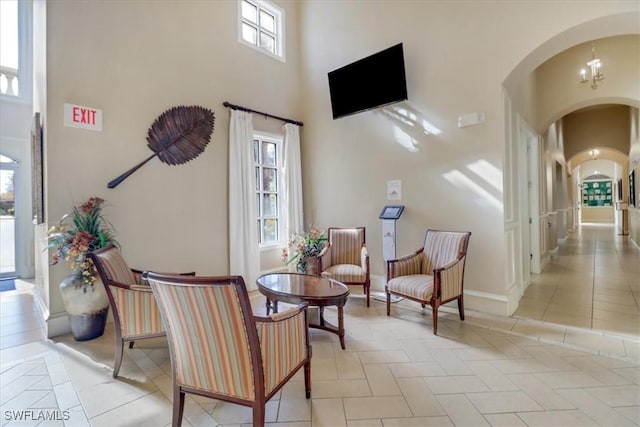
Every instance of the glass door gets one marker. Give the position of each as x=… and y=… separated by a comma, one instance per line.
x=7, y=217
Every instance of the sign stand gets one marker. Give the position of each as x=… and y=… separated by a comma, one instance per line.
x=389, y=216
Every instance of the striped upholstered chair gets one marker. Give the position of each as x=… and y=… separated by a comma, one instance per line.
x=219, y=349
x=434, y=274
x=346, y=258
x=135, y=312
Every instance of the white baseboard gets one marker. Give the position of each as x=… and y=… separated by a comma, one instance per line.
x=58, y=324
x=486, y=302
x=377, y=283
x=545, y=260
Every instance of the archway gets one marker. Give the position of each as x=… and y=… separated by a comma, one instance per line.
x=540, y=91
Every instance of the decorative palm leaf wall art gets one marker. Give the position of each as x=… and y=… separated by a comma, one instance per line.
x=180, y=134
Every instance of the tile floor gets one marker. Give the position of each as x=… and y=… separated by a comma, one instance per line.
x=593, y=282
x=570, y=356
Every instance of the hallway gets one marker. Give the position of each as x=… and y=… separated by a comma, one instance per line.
x=592, y=282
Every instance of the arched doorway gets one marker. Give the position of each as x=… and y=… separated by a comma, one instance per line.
x=541, y=92
x=604, y=166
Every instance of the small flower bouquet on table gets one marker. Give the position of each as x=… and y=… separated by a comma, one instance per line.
x=302, y=246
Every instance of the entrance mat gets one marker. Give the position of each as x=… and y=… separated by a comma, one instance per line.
x=7, y=285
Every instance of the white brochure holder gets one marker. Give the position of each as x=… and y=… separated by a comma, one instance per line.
x=389, y=216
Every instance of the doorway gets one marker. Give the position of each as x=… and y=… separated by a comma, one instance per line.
x=8, y=168
x=530, y=201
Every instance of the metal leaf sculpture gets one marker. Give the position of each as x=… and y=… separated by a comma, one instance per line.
x=180, y=134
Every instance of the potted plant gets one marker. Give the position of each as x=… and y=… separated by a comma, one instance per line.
x=79, y=232
x=302, y=246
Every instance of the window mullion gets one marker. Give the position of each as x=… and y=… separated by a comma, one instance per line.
x=268, y=27
x=267, y=164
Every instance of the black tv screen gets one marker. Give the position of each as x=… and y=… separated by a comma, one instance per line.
x=371, y=82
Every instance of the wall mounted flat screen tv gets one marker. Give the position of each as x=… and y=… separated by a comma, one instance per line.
x=371, y=82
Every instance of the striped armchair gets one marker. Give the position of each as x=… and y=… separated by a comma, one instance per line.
x=135, y=312
x=346, y=258
x=434, y=274
x=219, y=349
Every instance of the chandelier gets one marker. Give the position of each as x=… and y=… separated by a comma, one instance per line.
x=595, y=76
x=594, y=153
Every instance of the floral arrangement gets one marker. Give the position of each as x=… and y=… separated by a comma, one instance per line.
x=89, y=231
x=302, y=246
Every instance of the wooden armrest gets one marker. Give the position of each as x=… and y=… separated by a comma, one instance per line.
x=141, y=288
x=448, y=265
x=404, y=265
x=406, y=257
x=323, y=251
x=144, y=274
x=448, y=279
x=364, y=250
x=121, y=285
x=364, y=257
x=283, y=315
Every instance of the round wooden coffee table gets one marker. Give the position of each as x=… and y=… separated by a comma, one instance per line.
x=294, y=288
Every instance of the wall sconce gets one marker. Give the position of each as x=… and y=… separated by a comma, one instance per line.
x=594, y=154
x=596, y=77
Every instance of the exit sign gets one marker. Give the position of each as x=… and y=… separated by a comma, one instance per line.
x=78, y=116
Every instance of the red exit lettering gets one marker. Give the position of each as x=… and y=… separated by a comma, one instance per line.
x=83, y=115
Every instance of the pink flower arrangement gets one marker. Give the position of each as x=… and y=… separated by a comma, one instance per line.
x=302, y=246
x=90, y=231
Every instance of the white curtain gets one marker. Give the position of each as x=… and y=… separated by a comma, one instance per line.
x=244, y=256
x=292, y=180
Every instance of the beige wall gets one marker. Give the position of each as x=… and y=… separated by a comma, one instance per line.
x=457, y=56
x=598, y=127
x=134, y=60
x=608, y=128
x=598, y=214
x=560, y=76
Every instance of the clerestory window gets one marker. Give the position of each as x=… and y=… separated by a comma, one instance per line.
x=261, y=26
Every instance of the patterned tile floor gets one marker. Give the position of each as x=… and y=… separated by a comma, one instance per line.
x=541, y=367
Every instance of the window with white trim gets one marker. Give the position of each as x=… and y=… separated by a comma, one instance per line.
x=261, y=26
x=268, y=187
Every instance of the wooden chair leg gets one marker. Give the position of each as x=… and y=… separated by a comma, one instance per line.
x=434, y=308
x=461, y=307
x=367, y=290
x=118, y=357
x=178, y=406
x=307, y=379
x=259, y=413
x=388, y=303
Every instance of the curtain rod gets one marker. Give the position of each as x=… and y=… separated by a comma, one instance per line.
x=249, y=110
